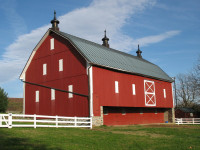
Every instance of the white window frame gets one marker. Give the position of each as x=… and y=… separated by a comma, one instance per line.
x=52, y=44
x=116, y=87
x=37, y=96
x=164, y=93
x=151, y=95
x=70, y=89
x=60, y=64
x=44, y=69
x=53, y=95
x=133, y=89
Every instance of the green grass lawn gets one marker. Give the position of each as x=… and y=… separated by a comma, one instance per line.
x=138, y=137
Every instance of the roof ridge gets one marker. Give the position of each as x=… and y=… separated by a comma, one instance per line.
x=111, y=49
x=95, y=53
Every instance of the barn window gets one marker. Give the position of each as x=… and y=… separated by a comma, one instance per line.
x=61, y=65
x=105, y=111
x=37, y=96
x=156, y=112
x=44, y=69
x=116, y=87
x=123, y=111
x=133, y=89
x=52, y=94
x=70, y=89
x=52, y=44
x=141, y=111
x=164, y=92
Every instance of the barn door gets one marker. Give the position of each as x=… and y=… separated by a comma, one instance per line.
x=149, y=92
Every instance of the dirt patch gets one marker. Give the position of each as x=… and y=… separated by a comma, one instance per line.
x=172, y=126
x=139, y=133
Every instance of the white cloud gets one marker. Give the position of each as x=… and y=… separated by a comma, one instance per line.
x=156, y=38
x=17, y=54
x=89, y=23
x=112, y=15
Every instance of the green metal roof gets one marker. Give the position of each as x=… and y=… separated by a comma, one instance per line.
x=102, y=56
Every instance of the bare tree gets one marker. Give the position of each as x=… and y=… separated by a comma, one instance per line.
x=183, y=91
x=196, y=79
x=188, y=88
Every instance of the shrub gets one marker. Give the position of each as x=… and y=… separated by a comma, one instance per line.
x=3, y=100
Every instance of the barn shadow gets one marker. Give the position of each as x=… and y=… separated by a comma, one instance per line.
x=8, y=142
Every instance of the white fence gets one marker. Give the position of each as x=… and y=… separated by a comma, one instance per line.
x=187, y=120
x=20, y=120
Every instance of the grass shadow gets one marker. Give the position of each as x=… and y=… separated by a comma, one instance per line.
x=9, y=141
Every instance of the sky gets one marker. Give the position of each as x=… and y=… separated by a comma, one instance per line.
x=168, y=32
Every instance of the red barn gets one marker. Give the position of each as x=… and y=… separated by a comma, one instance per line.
x=185, y=112
x=70, y=76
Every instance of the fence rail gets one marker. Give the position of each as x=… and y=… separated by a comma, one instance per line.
x=187, y=120
x=19, y=120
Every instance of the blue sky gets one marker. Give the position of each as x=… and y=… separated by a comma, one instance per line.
x=168, y=31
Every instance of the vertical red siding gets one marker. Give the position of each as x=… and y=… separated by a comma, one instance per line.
x=104, y=94
x=132, y=116
x=180, y=114
x=74, y=73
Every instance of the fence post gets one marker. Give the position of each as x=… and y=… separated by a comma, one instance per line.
x=10, y=120
x=56, y=121
x=193, y=120
x=34, y=120
x=75, y=124
x=1, y=120
x=181, y=120
x=90, y=122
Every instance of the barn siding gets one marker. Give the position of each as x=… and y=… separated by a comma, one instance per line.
x=181, y=114
x=104, y=90
x=133, y=116
x=74, y=73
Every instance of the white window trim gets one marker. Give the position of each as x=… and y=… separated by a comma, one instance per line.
x=52, y=44
x=53, y=96
x=37, y=96
x=116, y=87
x=44, y=69
x=164, y=93
x=60, y=64
x=70, y=89
x=133, y=89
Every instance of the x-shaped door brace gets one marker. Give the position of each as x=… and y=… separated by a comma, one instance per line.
x=149, y=89
x=150, y=99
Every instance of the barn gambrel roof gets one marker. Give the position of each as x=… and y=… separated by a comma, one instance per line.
x=99, y=55
x=96, y=54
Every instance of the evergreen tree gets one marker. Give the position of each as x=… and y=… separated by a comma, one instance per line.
x=3, y=100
